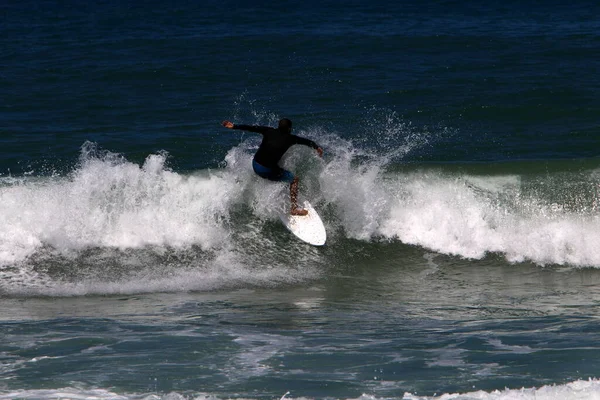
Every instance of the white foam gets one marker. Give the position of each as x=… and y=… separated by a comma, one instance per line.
x=141, y=219
x=226, y=270
x=577, y=390
x=547, y=220
x=453, y=216
x=109, y=202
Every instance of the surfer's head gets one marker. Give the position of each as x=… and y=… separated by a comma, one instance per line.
x=285, y=125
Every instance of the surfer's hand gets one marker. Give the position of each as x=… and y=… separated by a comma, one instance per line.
x=227, y=124
x=319, y=151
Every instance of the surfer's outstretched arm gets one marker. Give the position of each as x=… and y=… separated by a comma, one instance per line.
x=309, y=143
x=249, y=128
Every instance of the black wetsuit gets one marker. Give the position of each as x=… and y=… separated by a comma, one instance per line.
x=274, y=144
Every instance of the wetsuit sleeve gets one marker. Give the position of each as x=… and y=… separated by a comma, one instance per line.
x=252, y=128
x=306, y=142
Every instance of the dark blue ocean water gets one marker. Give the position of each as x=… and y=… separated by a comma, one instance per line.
x=140, y=257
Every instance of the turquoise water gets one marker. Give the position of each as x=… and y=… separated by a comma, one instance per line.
x=140, y=257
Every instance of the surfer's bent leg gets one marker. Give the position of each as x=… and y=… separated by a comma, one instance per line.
x=294, y=199
x=286, y=176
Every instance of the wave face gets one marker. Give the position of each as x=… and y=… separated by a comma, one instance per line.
x=110, y=219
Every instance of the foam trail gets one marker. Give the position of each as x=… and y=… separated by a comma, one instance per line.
x=226, y=270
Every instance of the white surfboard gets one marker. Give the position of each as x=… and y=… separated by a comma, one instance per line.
x=308, y=228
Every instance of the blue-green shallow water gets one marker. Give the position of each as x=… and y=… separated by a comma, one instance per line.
x=439, y=326
x=141, y=258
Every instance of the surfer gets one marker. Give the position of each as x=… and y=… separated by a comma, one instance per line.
x=274, y=144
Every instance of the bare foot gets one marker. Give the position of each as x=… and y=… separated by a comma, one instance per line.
x=299, y=211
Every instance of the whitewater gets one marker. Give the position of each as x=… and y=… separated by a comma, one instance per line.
x=107, y=202
x=577, y=390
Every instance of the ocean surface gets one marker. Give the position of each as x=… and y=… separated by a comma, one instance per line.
x=141, y=258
